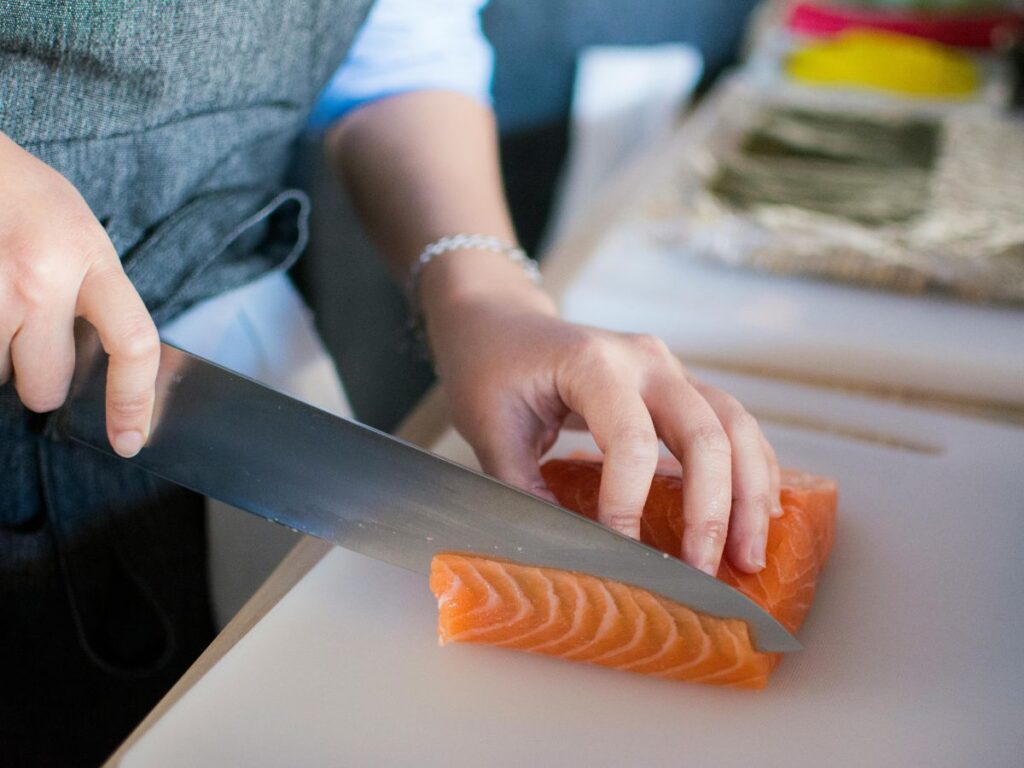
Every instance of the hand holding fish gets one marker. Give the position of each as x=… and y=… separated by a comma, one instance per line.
x=515, y=373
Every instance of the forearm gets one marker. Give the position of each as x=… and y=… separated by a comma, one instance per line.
x=424, y=165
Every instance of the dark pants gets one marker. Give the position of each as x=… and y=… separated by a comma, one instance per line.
x=103, y=594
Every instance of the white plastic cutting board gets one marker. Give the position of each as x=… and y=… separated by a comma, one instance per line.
x=800, y=326
x=914, y=652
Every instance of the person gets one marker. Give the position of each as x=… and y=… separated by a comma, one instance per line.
x=143, y=151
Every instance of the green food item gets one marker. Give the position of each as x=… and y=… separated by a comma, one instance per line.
x=870, y=171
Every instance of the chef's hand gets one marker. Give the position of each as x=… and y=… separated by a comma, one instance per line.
x=425, y=164
x=514, y=372
x=56, y=264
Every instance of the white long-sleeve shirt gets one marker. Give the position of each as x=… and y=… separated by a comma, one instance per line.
x=411, y=45
x=404, y=45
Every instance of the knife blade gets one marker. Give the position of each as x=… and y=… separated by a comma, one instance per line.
x=231, y=438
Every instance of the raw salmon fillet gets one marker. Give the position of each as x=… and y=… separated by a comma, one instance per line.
x=585, y=618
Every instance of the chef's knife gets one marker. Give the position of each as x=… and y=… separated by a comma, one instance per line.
x=231, y=438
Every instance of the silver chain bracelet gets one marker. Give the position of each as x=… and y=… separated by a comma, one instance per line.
x=466, y=242
x=459, y=242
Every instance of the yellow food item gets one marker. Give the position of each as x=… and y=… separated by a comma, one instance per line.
x=888, y=62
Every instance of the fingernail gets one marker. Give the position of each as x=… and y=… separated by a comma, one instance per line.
x=128, y=444
x=757, y=551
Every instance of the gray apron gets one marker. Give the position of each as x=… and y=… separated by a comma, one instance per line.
x=175, y=121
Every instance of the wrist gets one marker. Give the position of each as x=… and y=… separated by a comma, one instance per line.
x=462, y=280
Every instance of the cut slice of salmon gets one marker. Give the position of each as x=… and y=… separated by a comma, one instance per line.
x=584, y=618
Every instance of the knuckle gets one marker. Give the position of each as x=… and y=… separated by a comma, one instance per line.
x=758, y=505
x=32, y=277
x=637, y=443
x=746, y=423
x=638, y=455
x=593, y=351
x=650, y=345
x=18, y=245
x=713, y=529
x=138, y=340
x=130, y=404
x=709, y=438
x=36, y=269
